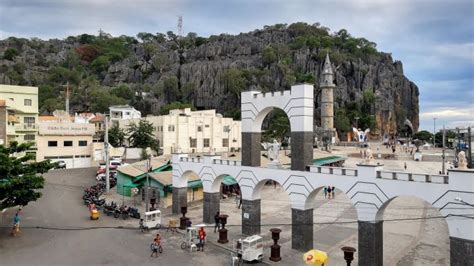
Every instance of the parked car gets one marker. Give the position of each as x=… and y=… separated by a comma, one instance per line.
x=61, y=165
x=114, y=165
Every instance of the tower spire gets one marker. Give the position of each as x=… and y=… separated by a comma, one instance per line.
x=327, y=74
x=327, y=65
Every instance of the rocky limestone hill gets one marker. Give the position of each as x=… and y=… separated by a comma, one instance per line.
x=152, y=71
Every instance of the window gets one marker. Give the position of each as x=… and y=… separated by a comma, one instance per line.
x=199, y=129
x=127, y=113
x=193, y=143
x=82, y=143
x=28, y=120
x=226, y=128
x=206, y=126
x=29, y=137
x=52, y=143
x=171, y=128
x=206, y=143
x=225, y=142
x=68, y=143
x=11, y=99
x=27, y=102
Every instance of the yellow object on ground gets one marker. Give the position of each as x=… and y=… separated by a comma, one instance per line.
x=315, y=257
x=94, y=215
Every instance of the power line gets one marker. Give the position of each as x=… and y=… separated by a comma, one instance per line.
x=62, y=228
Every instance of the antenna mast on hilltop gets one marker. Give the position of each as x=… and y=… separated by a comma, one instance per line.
x=180, y=26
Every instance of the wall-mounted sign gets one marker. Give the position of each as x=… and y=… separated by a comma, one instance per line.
x=60, y=129
x=246, y=215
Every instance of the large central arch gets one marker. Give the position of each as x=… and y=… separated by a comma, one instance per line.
x=298, y=104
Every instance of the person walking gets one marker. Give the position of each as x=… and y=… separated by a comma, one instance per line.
x=240, y=201
x=202, y=239
x=154, y=248
x=405, y=166
x=237, y=197
x=16, y=224
x=329, y=192
x=216, y=221
x=325, y=192
x=333, y=191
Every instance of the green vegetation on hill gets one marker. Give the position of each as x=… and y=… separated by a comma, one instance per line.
x=154, y=72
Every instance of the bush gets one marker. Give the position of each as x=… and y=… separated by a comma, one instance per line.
x=10, y=54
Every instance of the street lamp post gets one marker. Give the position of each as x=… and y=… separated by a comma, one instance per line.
x=434, y=132
x=107, y=159
x=357, y=121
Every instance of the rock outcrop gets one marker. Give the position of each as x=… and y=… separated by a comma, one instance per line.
x=200, y=71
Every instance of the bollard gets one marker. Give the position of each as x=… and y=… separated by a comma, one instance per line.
x=183, y=220
x=348, y=254
x=275, y=248
x=223, y=231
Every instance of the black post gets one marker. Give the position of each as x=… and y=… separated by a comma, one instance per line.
x=348, y=254
x=183, y=220
x=275, y=248
x=223, y=231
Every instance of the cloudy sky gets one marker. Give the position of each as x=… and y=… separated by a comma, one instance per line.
x=433, y=38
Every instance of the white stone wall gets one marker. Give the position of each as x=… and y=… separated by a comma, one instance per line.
x=297, y=103
x=368, y=190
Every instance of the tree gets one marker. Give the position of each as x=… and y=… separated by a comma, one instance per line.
x=116, y=136
x=19, y=177
x=50, y=105
x=145, y=36
x=165, y=109
x=234, y=81
x=141, y=135
x=423, y=135
x=278, y=126
x=341, y=121
x=123, y=92
x=10, y=54
x=101, y=99
x=269, y=55
x=170, y=88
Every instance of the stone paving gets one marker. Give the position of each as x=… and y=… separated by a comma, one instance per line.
x=421, y=242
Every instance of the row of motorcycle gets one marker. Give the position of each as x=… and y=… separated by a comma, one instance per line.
x=92, y=196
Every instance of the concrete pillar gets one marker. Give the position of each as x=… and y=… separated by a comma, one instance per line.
x=462, y=251
x=370, y=243
x=251, y=217
x=180, y=199
x=301, y=150
x=251, y=147
x=211, y=206
x=302, y=229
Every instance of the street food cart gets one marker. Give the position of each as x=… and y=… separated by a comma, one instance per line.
x=152, y=219
x=190, y=237
x=250, y=248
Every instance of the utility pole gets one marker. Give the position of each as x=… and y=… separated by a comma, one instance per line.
x=107, y=162
x=147, y=186
x=444, y=147
x=67, y=97
x=434, y=132
x=469, y=149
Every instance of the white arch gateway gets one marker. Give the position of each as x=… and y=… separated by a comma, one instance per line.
x=369, y=187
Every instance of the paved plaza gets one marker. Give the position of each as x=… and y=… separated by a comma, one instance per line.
x=418, y=242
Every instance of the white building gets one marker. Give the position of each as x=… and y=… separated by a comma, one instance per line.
x=61, y=138
x=121, y=112
x=183, y=130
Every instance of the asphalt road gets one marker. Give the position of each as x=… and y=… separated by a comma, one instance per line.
x=77, y=243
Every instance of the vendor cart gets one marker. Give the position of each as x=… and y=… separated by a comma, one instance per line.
x=152, y=219
x=250, y=248
x=190, y=237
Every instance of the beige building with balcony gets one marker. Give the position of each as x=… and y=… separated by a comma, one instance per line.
x=18, y=113
x=183, y=130
x=61, y=139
